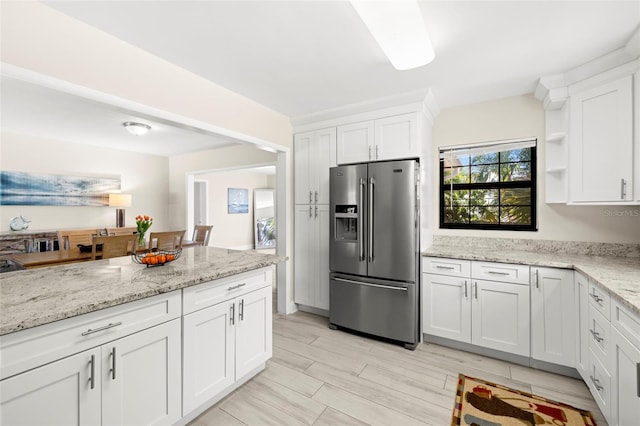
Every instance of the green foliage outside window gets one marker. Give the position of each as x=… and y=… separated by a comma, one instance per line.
x=492, y=190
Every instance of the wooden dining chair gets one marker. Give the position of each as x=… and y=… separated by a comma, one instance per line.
x=171, y=240
x=126, y=230
x=69, y=240
x=113, y=246
x=201, y=235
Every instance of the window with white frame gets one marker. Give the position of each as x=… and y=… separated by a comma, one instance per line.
x=489, y=186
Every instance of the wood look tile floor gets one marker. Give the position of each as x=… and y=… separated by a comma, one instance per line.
x=319, y=376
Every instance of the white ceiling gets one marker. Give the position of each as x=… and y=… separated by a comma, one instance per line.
x=303, y=57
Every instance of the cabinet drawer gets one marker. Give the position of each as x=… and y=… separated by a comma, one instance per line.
x=599, y=298
x=504, y=272
x=444, y=266
x=600, y=336
x=599, y=382
x=626, y=322
x=211, y=293
x=36, y=346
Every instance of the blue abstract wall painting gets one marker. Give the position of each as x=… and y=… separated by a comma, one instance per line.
x=238, y=201
x=39, y=189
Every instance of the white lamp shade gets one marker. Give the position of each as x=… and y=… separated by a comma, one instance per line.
x=120, y=200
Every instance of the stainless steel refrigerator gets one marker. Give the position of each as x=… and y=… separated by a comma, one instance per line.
x=374, y=249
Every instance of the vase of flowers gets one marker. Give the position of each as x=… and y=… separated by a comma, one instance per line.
x=143, y=223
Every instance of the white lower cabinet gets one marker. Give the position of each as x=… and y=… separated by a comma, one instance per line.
x=491, y=314
x=134, y=380
x=625, y=393
x=224, y=342
x=500, y=316
x=311, y=274
x=141, y=377
x=60, y=393
x=553, y=316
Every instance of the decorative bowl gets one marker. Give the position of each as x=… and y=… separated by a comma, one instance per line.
x=156, y=258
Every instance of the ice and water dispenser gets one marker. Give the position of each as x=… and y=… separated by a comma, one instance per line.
x=346, y=226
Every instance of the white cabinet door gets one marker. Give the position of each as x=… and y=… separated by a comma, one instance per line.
x=60, y=393
x=625, y=395
x=582, y=325
x=141, y=373
x=323, y=158
x=355, y=143
x=601, y=143
x=208, y=354
x=446, y=307
x=321, y=257
x=302, y=148
x=312, y=256
x=253, y=330
x=315, y=153
x=304, y=290
x=553, y=316
x=500, y=316
x=396, y=137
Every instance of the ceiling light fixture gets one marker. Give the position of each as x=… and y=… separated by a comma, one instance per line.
x=399, y=29
x=136, y=129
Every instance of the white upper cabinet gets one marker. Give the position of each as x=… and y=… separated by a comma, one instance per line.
x=388, y=138
x=315, y=153
x=601, y=143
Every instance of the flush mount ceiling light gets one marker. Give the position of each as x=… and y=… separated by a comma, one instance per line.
x=136, y=129
x=399, y=29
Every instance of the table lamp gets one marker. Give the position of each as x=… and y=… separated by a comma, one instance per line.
x=119, y=200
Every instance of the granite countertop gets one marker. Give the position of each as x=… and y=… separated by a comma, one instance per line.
x=620, y=275
x=39, y=296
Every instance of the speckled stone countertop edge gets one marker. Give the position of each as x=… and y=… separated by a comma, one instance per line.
x=613, y=274
x=14, y=317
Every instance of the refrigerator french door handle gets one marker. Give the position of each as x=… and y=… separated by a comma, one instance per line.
x=372, y=183
x=388, y=287
x=360, y=220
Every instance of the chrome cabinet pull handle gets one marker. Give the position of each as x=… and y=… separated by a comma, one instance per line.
x=369, y=152
x=310, y=197
x=316, y=197
x=465, y=289
x=537, y=280
x=497, y=273
x=376, y=152
x=113, y=363
x=310, y=212
x=623, y=189
x=316, y=215
x=106, y=327
x=596, y=383
x=232, y=313
x=241, y=313
x=476, y=290
x=234, y=287
x=597, y=298
x=92, y=378
x=596, y=336
x=445, y=267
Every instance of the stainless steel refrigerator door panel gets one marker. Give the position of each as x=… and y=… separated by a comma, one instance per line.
x=372, y=307
x=348, y=222
x=392, y=244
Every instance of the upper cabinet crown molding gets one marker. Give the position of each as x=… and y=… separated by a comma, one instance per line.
x=552, y=90
x=422, y=101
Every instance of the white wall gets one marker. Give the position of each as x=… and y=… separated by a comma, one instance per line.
x=235, y=231
x=143, y=176
x=523, y=116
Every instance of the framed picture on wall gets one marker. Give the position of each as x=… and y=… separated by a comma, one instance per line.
x=238, y=200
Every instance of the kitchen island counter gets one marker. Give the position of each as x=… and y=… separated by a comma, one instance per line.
x=36, y=297
x=604, y=264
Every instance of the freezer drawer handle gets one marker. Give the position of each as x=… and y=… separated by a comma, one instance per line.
x=105, y=327
x=388, y=287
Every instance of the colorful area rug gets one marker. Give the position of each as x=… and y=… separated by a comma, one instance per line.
x=481, y=403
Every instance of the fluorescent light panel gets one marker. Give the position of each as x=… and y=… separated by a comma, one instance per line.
x=399, y=29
